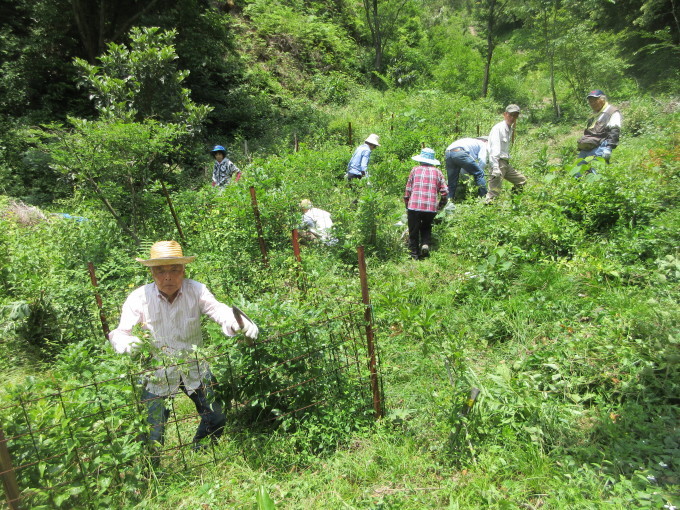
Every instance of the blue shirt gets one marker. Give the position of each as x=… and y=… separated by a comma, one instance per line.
x=476, y=148
x=358, y=165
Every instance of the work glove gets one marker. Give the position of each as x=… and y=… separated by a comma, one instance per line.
x=250, y=330
x=442, y=203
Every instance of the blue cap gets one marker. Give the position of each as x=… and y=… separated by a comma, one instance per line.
x=596, y=93
x=218, y=148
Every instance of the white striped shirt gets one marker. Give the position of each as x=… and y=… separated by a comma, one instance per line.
x=500, y=139
x=174, y=329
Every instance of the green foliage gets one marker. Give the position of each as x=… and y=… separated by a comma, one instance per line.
x=573, y=56
x=85, y=436
x=459, y=67
x=116, y=163
x=142, y=81
x=313, y=41
x=559, y=304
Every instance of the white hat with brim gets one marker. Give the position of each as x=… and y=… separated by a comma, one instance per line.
x=166, y=253
x=426, y=156
x=373, y=139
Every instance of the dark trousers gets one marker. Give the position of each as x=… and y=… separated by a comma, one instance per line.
x=213, y=418
x=457, y=160
x=419, y=230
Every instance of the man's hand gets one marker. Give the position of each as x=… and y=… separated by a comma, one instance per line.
x=250, y=330
x=243, y=323
x=442, y=203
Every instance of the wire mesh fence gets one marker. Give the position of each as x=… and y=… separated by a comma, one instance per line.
x=73, y=443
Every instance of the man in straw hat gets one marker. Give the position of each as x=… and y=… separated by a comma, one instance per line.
x=170, y=310
x=358, y=163
x=426, y=192
x=500, y=140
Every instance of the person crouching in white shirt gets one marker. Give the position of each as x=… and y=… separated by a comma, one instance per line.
x=317, y=223
x=170, y=310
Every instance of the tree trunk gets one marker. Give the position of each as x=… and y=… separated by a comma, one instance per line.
x=378, y=38
x=490, y=24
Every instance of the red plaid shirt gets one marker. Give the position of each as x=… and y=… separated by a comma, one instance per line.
x=423, y=185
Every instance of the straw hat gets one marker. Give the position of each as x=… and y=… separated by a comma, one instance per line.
x=426, y=156
x=305, y=204
x=373, y=139
x=165, y=253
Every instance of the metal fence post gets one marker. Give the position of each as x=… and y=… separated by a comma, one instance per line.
x=9, y=479
x=296, y=245
x=258, y=223
x=368, y=317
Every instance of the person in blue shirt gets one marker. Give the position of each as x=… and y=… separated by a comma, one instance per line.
x=468, y=154
x=358, y=164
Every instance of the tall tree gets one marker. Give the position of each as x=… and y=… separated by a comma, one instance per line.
x=546, y=22
x=146, y=119
x=382, y=18
x=494, y=19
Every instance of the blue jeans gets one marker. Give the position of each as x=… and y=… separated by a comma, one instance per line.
x=598, y=152
x=212, y=416
x=455, y=160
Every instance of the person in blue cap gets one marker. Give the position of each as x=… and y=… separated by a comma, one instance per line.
x=601, y=135
x=224, y=169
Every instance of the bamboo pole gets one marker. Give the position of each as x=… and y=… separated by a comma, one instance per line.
x=172, y=211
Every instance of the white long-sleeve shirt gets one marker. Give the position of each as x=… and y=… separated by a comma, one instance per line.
x=499, y=143
x=174, y=328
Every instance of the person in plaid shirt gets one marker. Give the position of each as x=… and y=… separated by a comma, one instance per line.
x=426, y=192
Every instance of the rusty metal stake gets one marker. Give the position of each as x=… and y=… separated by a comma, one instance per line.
x=368, y=317
x=9, y=479
x=172, y=211
x=258, y=224
x=301, y=277
x=296, y=245
x=98, y=299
